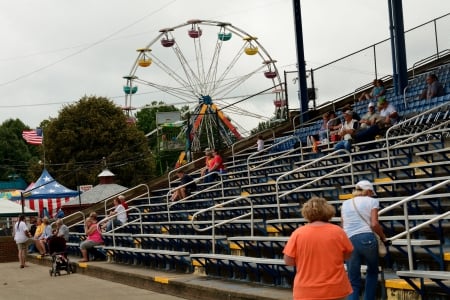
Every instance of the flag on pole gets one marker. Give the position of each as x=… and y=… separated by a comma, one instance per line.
x=33, y=137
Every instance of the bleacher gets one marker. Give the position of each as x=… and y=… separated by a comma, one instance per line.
x=236, y=228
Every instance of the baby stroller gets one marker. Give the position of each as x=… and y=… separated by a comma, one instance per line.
x=60, y=260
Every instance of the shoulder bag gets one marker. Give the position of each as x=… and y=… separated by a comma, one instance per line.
x=382, y=251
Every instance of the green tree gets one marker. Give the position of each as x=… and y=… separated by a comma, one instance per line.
x=15, y=154
x=146, y=117
x=91, y=134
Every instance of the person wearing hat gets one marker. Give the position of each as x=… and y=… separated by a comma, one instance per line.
x=347, y=131
x=388, y=112
x=359, y=217
x=369, y=127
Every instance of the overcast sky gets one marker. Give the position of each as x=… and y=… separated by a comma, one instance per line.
x=56, y=51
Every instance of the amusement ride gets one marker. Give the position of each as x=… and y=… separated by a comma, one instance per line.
x=217, y=70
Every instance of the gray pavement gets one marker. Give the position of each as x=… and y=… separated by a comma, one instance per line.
x=110, y=277
x=35, y=283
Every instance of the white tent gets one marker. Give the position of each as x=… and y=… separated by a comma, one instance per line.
x=11, y=209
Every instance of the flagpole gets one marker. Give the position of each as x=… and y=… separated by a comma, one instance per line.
x=43, y=145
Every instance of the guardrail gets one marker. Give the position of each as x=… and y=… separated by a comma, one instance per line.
x=214, y=224
x=254, y=168
x=170, y=204
x=408, y=230
x=129, y=200
x=109, y=218
x=348, y=165
x=402, y=123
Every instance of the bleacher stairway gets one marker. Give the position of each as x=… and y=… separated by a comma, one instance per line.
x=236, y=228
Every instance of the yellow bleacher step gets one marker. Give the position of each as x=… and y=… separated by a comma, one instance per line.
x=399, y=289
x=235, y=249
x=418, y=163
x=380, y=180
x=447, y=256
x=272, y=231
x=345, y=196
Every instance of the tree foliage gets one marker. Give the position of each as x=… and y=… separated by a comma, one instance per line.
x=91, y=134
x=15, y=154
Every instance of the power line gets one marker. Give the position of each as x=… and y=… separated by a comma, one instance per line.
x=85, y=48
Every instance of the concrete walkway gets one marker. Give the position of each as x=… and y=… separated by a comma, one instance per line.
x=35, y=283
x=187, y=286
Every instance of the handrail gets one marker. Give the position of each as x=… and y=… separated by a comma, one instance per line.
x=349, y=164
x=126, y=191
x=328, y=130
x=428, y=59
x=106, y=219
x=214, y=224
x=399, y=125
x=248, y=138
x=169, y=175
x=408, y=231
x=170, y=204
x=275, y=158
x=71, y=215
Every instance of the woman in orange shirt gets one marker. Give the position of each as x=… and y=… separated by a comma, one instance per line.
x=318, y=251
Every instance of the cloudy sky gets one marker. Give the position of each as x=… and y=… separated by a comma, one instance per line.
x=56, y=51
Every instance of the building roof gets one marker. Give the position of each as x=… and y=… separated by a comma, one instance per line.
x=96, y=194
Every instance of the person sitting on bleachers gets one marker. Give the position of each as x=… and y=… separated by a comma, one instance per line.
x=94, y=238
x=214, y=165
x=41, y=242
x=322, y=135
x=369, y=127
x=334, y=124
x=62, y=230
x=347, y=131
x=388, y=113
x=434, y=88
x=377, y=91
x=120, y=216
x=184, y=191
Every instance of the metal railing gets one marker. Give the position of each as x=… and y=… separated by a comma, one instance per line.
x=223, y=222
x=408, y=121
x=409, y=230
x=209, y=188
x=254, y=168
x=170, y=175
x=347, y=165
x=107, y=200
x=246, y=139
x=110, y=218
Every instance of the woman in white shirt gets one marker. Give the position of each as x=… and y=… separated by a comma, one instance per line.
x=21, y=236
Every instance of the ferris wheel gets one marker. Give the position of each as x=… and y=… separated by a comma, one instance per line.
x=220, y=71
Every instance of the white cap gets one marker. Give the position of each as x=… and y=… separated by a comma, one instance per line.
x=365, y=185
x=371, y=104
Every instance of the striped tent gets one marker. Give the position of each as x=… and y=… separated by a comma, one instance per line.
x=46, y=195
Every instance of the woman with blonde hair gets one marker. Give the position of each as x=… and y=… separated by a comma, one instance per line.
x=318, y=251
x=360, y=222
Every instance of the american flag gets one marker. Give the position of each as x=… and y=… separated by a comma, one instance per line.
x=33, y=137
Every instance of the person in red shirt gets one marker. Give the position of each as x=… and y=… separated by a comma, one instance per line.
x=318, y=251
x=214, y=165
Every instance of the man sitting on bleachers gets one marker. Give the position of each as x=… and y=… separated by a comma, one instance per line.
x=388, y=113
x=369, y=125
x=434, y=88
x=347, y=131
